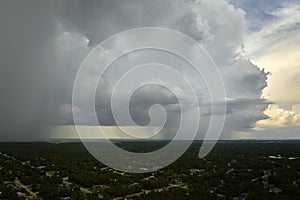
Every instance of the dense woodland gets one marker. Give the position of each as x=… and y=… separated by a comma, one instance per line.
x=233, y=170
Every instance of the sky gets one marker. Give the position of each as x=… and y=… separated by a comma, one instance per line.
x=255, y=45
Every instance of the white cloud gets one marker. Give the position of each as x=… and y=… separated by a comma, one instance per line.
x=266, y=40
x=279, y=117
x=276, y=47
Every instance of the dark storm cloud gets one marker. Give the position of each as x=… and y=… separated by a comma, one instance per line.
x=242, y=114
x=98, y=20
x=237, y=105
x=139, y=105
x=244, y=79
x=44, y=43
x=27, y=27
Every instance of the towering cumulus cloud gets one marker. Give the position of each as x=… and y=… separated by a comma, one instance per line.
x=43, y=45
